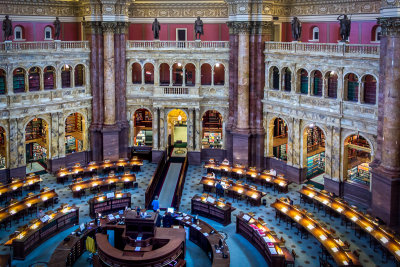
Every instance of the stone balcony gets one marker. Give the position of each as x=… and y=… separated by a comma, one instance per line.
x=44, y=46
x=323, y=49
x=200, y=46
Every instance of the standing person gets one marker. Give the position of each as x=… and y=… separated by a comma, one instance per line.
x=159, y=218
x=155, y=204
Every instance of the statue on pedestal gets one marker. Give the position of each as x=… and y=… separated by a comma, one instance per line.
x=345, y=26
x=7, y=28
x=198, y=28
x=57, y=29
x=156, y=29
x=296, y=29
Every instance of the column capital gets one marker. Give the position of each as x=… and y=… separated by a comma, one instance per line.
x=239, y=27
x=262, y=27
x=109, y=27
x=390, y=26
x=94, y=27
x=122, y=27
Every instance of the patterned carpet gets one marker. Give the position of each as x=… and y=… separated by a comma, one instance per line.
x=241, y=251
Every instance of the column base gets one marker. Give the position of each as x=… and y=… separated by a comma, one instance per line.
x=257, y=150
x=386, y=197
x=293, y=174
x=19, y=172
x=156, y=155
x=194, y=157
x=333, y=186
x=124, y=151
x=96, y=142
x=110, y=142
x=240, y=147
x=53, y=165
x=218, y=154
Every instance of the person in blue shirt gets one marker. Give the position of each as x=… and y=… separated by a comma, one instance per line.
x=155, y=204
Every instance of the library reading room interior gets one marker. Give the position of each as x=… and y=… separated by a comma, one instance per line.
x=152, y=133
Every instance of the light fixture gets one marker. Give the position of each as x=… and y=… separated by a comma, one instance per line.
x=284, y=209
x=179, y=118
x=332, y=73
x=217, y=65
x=311, y=125
x=179, y=65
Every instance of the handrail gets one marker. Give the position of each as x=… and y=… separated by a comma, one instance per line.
x=179, y=189
x=151, y=188
x=329, y=48
x=43, y=45
x=176, y=44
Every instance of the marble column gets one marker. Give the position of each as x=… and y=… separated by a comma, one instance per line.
x=41, y=83
x=197, y=139
x=13, y=163
x=155, y=128
x=61, y=136
x=243, y=81
x=386, y=174
x=156, y=74
x=190, y=130
x=54, y=136
x=163, y=131
x=109, y=74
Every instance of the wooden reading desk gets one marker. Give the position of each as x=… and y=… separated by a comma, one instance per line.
x=216, y=209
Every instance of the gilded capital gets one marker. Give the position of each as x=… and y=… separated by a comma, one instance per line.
x=92, y=27
x=390, y=26
x=239, y=27
x=109, y=27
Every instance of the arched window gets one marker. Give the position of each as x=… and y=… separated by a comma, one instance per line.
x=351, y=87
x=314, y=151
x=66, y=76
x=74, y=133
x=287, y=79
x=205, y=74
x=18, y=33
x=3, y=82
x=303, y=79
x=143, y=131
x=369, y=82
x=148, y=73
x=279, y=139
x=19, y=80
x=49, y=76
x=48, y=33
x=356, y=159
x=376, y=33
x=315, y=34
x=219, y=74
x=37, y=141
x=136, y=73
x=164, y=74
x=79, y=75
x=190, y=74
x=332, y=84
x=34, y=79
x=275, y=78
x=317, y=82
x=177, y=74
x=212, y=129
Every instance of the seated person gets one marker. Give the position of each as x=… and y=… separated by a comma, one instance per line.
x=225, y=161
x=211, y=161
x=143, y=214
x=168, y=220
x=219, y=189
x=40, y=214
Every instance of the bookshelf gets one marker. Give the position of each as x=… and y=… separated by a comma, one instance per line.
x=352, y=91
x=2, y=82
x=318, y=86
x=34, y=80
x=79, y=75
x=315, y=139
x=73, y=133
x=304, y=84
x=66, y=79
x=48, y=77
x=19, y=81
x=315, y=165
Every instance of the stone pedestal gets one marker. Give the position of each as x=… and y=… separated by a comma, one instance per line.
x=240, y=148
x=110, y=142
x=156, y=155
x=194, y=157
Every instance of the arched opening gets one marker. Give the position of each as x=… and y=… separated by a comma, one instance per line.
x=18, y=33
x=19, y=80
x=332, y=84
x=3, y=82
x=143, y=128
x=279, y=138
x=164, y=74
x=177, y=74
x=190, y=74
x=148, y=73
x=369, y=82
x=287, y=79
x=34, y=79
x=48, y=33
x=36, y=143
x=219, y=74
x=177, y=128
x=351, y=87
x=79, y=75
x=357, y=156
x=66, y=76
x=303, y=80
x=275, y=78
x=74, y=133
x=3, y=148
x=314, y=34
x=136, y=73
x=206, y=74
x=314, y=150
x=376, y=33
x=212, y=129
x=49, y=76
x=317, y=82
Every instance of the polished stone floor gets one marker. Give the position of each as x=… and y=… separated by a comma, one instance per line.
x=241, y=251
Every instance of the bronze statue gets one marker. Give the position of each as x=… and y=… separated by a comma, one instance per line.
x=296, y=29
x=156, y=29
x=345, y=26
x=7, y=28
x=198, y=28
x=57, y=29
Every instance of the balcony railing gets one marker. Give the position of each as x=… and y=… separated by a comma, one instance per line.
x=150, y=45
x=38, y=46
x=339, y=49
x=176, y=91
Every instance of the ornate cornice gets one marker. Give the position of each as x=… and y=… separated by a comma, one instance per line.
x=250, y=27
x=40, y=7
x=94, y=27
x=390, y=3
x=390, y=26
x=262, y=27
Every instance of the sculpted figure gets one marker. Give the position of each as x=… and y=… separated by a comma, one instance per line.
x=7, y=28
x=296, y=29
x=345, y=26
x=156, y=29
x=57, y=29
x=198, y=28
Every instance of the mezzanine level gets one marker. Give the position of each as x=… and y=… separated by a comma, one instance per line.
x=178, y=45
x=9, y=46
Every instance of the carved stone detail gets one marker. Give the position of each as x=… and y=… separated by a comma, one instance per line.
x=109, y=27
x=390, y=26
